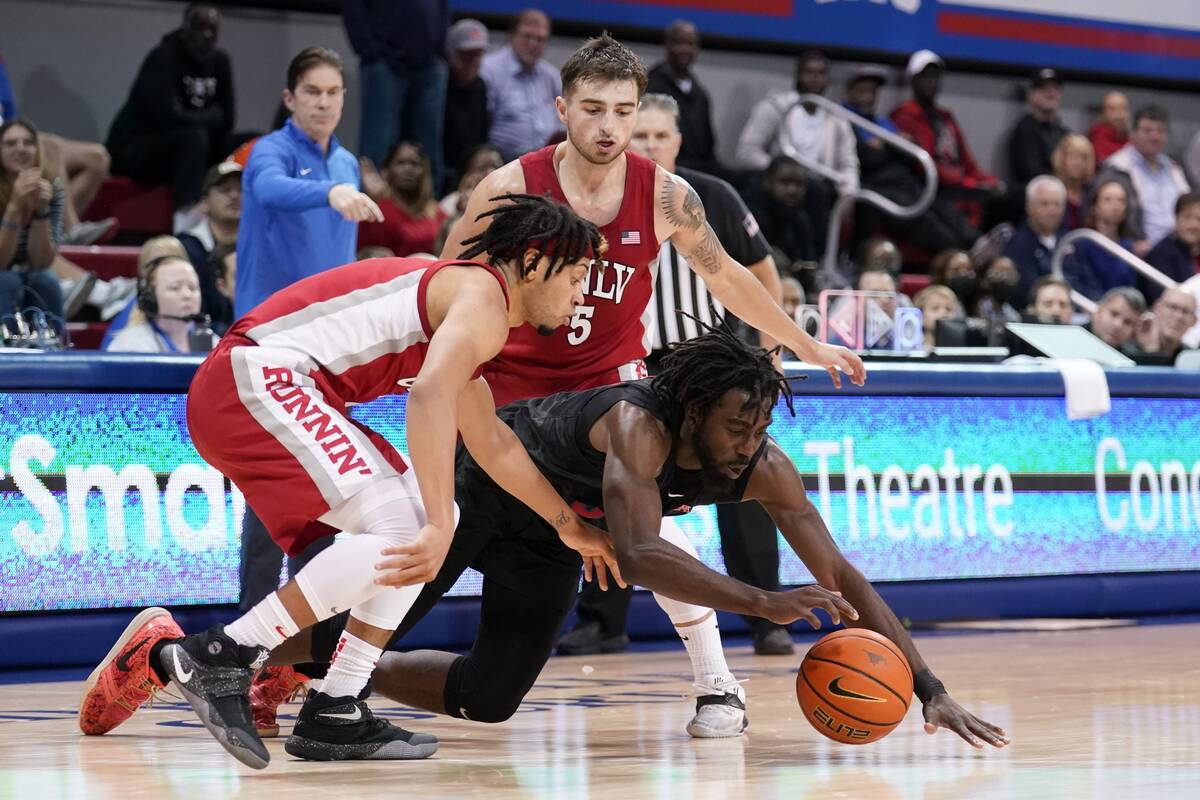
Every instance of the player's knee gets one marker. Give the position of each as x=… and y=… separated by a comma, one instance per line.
x=469, y=696
x=489, y=707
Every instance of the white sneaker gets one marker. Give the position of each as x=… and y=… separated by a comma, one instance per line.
x=720, y=710
x=113, y=295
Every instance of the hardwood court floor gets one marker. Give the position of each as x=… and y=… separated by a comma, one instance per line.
x=1093, y=714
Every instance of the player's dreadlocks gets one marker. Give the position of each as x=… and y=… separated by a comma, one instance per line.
x=523, y=222
x=698, y=372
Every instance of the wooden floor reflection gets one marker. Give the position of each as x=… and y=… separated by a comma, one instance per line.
x=1093, y=714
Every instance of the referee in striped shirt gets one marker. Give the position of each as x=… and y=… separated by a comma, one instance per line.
x=748, y=538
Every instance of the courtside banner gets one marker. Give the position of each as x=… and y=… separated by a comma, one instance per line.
x=104, y=503
x=1151, y=38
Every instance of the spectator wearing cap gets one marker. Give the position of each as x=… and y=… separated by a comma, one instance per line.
x=467, y=121
x=1153, y=180
x=222, y=204
x=674, y=77
x=935, y=128
x=1178, y=255
x=1111, y=132
x=400, y=46
x=1038, y=132
x=884, y=170
x=967, y=194
x=521, y=88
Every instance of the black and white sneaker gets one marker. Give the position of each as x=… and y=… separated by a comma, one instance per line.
x=344, y=729
x=214, y=673
x=720, y=710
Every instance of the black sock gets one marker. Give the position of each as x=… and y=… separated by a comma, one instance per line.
x=156, y=661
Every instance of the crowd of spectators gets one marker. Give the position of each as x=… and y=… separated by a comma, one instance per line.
x=444, y=104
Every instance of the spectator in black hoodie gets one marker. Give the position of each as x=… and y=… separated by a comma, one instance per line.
x=180, y=111
x=1178, y=255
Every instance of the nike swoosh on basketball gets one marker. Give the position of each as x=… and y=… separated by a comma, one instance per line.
x=123, y=659
x=182, y=674
x=305, y=171
x=836, y=688
x=355, y=717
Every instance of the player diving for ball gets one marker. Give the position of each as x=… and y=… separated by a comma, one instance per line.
x=695, y=434
x=638, y=206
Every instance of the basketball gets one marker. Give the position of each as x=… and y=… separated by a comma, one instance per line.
x=854, y=686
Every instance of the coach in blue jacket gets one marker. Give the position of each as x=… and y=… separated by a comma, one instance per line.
x=301, y=203
x=301, y=206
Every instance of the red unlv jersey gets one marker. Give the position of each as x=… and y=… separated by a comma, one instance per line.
x=359, y=331
x=612, y=327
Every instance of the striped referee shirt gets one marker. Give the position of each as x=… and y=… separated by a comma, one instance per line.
x=677, y=287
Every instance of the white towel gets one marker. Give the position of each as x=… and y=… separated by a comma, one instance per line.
x=1086, y=387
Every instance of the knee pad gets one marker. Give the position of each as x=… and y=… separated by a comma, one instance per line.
x=468, y=696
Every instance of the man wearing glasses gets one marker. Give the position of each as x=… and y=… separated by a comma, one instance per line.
x=521, y=87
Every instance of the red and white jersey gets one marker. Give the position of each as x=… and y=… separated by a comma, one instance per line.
x=612, y=327
x=359, y=331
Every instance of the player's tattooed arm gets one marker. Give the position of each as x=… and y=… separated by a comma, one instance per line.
x=691, y=233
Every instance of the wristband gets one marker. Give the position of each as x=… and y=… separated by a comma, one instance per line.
x=926, y=686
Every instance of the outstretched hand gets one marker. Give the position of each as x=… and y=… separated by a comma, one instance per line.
x=837, y=359
x=943, y=712
x=596, y=548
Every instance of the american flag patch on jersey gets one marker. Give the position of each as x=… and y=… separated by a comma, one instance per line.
x=631, y=237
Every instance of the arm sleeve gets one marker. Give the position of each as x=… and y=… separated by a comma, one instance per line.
x=268, y=174
x=753, y=147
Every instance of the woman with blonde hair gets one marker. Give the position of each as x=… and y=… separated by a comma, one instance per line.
x=936, y=302
x=1074, y=162
x=153, y=249
x=168, y=298
x=32, y=201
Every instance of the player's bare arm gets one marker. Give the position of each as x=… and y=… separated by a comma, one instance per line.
x=679, y=216
x=776, y=484
x=637, y=445
x=466, y=308
x=509, y=179
x=496, y=448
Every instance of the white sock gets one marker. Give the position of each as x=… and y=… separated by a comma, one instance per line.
x=353, y=662
x=701, y=638
x=265, y=625
x=703, y=643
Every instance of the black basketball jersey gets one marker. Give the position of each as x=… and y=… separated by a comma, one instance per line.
x=555, y=431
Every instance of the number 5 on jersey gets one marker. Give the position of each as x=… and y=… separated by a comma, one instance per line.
x=581, y=325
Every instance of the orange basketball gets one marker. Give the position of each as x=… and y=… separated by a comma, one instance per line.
x=854, y=686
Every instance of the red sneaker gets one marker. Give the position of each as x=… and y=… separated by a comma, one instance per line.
x=124, y=680
x=271, y=687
